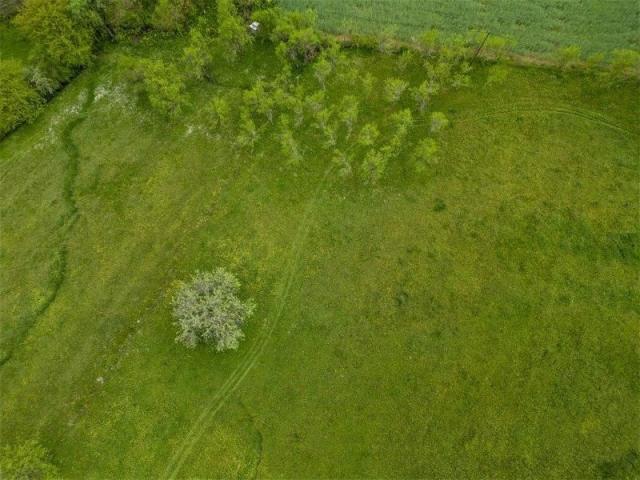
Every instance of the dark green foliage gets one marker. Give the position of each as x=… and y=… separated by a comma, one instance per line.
x=197, y=55
x=298, y=42
x=301, y=47
x=172, y=15
x=27, y=461
x=625, y=63
x=160, y=82
x=246, y=8
x=128, y=16
x=233, y=36
x=19, y=102
x=569, y=57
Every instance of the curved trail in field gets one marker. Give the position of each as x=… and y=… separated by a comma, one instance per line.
x=69, y=218
x=216, y=402
x=582, y=113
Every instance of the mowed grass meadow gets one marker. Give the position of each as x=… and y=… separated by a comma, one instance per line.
x=476, y=321
x=537, y=26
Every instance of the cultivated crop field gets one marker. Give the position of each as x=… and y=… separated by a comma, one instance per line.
x=445, y=283
x=537, y=26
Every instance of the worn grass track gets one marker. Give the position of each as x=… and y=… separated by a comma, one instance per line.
x=235, y=379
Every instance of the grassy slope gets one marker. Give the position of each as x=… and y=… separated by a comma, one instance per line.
x=538, y=26
x=480, y=321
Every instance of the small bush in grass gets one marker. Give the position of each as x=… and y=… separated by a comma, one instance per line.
x=497, y=75
x=207, y=310
x=569, y=57
x=439, y=121
x=393, y=89
x=425, y=154
x=625, y=62
x=29, y=460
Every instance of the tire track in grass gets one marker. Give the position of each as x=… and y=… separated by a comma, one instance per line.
x=216, y=402
x=69, y=219
x=585, y=114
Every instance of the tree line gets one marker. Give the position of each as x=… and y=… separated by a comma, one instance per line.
x=66, y=34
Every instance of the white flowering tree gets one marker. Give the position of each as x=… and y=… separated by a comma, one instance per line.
x=207, y=310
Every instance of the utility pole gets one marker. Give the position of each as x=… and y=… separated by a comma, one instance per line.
x=480, y=47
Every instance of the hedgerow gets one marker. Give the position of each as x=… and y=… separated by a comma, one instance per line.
x=65, y=35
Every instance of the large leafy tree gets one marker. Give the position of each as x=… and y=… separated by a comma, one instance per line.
x=62, y=33
x=233, y=36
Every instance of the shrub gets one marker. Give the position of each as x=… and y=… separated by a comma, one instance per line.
x=218, y=113
x=348, y=113
x=393, y=89
x=248, y=133
x=439, y=121
x=497, y=74
x=233, y=36
x=171, y=15
x=430, y=42
x=127, y=15
x=625, y=62
x=568, y=57
x=288, y=145
x=368, y=135
x=498, y=46
x=247, y=7
x=425, y=153
x=321, y=70
x=196, y=56
x=422, y=94
x=302, y=47
x=401, y=122
x=163, y=86
x=373, y=166
x=207, y=310
x=386, y=41
x=407, y=57
x=29, y=460
x=343, y=163
x=19, y=102
x=38, y=80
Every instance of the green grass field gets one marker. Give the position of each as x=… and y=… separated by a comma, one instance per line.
x=537, y=26
x=477, y=322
